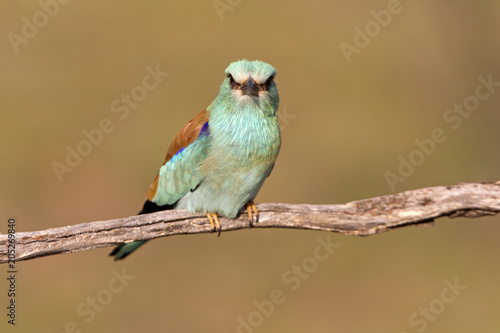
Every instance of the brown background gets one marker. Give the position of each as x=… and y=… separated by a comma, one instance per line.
x=347, y=125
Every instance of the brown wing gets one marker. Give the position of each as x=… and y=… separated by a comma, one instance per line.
x=184, y=138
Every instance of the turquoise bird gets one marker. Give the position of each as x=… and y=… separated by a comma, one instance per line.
x=219, y=160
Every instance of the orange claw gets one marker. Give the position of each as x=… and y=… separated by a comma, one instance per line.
x=253, y=213
x=214, y=222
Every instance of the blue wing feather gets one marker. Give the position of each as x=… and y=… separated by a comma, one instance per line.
x=181, y=173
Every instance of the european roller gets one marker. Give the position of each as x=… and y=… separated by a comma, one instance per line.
x=219, y=160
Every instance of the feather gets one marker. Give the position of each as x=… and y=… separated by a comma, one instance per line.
x=187, y=135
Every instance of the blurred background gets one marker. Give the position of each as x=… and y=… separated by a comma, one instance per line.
x=359, y=82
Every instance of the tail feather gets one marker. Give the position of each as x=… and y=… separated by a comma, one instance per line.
x=123, y=250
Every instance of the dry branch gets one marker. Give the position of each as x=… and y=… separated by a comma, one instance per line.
x=363, y=217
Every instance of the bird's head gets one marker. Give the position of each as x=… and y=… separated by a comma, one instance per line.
x=251, y=82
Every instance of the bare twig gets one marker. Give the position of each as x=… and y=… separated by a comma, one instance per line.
x=364, y=217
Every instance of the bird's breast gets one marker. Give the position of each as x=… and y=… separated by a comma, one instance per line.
x=246, y=142
x=241, y=154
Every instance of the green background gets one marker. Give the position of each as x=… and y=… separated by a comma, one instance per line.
x=347, y=125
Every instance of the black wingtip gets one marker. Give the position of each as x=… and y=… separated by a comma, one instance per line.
x=151, y=207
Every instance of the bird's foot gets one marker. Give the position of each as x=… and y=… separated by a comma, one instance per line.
x=253, y=213
x=214, y=222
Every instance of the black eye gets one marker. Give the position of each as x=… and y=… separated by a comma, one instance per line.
x=269, y=81
x=231, y=79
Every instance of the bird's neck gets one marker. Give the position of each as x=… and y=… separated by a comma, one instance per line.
x=248, y=129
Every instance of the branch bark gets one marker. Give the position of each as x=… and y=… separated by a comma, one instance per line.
x=363, y=217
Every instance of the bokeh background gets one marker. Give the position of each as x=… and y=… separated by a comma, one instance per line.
x=344, y=125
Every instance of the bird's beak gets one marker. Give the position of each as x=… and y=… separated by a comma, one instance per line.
x=249, y=87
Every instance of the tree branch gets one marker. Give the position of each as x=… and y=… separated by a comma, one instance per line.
x=363, y=217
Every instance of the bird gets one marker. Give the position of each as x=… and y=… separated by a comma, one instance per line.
x=218, y=162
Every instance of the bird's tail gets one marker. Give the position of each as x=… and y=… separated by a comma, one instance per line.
x=123, y=250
